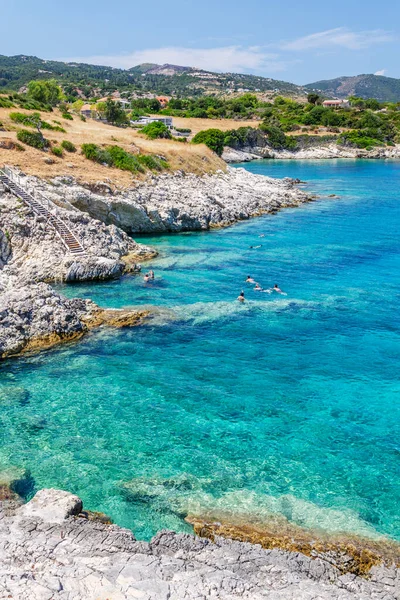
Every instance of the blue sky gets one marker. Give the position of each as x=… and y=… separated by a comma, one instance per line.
x=290, y=40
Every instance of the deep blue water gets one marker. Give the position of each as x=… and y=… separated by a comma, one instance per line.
x=284, y=405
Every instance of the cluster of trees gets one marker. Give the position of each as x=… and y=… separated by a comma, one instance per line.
x=361, y=118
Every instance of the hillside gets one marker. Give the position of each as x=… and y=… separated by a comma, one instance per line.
x=189, y=158
x=384, y=89
x=17, y=71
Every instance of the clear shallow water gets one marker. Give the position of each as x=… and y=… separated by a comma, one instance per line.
x=285, y=405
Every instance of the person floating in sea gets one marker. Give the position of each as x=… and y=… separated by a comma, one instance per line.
x=249, y=279
x=146, y=278
x=277, y=289
x=258, y=288
x=255, y=247
x=241, y=297
x=151, y=274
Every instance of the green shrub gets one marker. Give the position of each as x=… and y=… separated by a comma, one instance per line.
x=66, y=115
x=4, y=103
x=124, y=160
x=277, y=138
x=83, y=118
x=156, y=129
x=359, y=140
x=97, y=154
x=34, y=139
x=34, y=120
x=212, y=138
x=57, y=151
x=183, y=130
x=152, y=162
x=115, y=156
x=68, y=146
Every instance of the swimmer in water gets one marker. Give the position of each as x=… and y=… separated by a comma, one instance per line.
x=249, y=279
x=262, y=235
x=277, y=289
x=151, y=274
x=241, y=297
x=255, y=247
x=146, y=278
x=258, y=288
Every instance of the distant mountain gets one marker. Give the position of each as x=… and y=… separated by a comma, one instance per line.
x=17, y=71
x=384, y=89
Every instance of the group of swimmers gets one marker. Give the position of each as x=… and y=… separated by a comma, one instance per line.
x=258, y=288
x=148, y=276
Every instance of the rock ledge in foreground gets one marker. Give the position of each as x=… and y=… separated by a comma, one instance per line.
x=47, y=551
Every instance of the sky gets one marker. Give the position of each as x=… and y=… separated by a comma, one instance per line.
x=290, y=40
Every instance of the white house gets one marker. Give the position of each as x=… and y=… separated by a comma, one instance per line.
x=336, y=103
x=146, y=120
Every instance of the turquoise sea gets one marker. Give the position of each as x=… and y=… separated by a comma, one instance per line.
x=285, y=405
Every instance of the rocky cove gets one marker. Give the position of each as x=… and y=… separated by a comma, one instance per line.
x=51, y=547
x=33, y=315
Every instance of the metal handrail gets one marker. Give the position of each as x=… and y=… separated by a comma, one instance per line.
x=54, y=220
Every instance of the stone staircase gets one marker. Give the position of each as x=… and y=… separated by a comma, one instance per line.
x=43, y=207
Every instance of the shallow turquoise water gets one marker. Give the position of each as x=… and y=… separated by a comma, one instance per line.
x=285, y=405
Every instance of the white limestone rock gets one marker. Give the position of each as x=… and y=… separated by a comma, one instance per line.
x=51, y=506
x=185, y=202
x=48, y=552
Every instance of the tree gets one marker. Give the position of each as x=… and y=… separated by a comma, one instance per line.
x=36, y=121
x=45, y=92
x=373, y=104
x=154, y=105
x=156, y=129
x=357, y=102
x=212, y=138
x=114, y=113
x=313, y=98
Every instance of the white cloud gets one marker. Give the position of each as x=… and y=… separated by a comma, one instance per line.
x=227, y=58
x=341, y=37
x=381, y=72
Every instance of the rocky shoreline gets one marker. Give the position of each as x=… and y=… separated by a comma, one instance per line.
x=179, y=202
x=52, y=548
x=318, y=152
x=33, y=316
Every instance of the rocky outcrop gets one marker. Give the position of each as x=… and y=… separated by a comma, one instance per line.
x=35, y=317
x=181, y=202
x=315, y=152
x=47, y=550
x=32, y=251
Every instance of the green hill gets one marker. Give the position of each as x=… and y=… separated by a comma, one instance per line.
x=17, y=71
x=384, y=89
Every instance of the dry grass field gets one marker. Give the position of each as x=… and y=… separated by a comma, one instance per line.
x=187, y=157
x=197, y=125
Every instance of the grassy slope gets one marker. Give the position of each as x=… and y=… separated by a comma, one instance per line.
x=187, y=157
